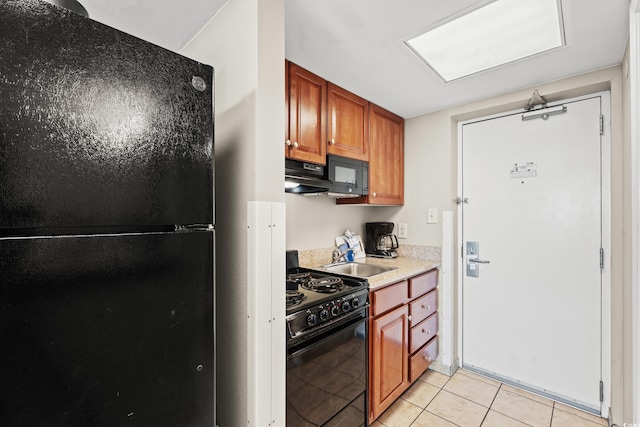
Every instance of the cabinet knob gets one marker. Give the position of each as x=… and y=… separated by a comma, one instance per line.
x=332, y=141
x=428, y=307
x=295, y=145
x=288, y=143
x=374, y=194
x=427, y=358
x=427, y=331
x=409, y=318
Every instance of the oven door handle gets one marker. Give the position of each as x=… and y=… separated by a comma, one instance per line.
x=291, y=334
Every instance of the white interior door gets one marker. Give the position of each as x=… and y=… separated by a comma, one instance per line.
x=533, y=190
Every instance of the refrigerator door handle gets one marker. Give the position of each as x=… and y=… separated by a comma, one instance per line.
x=184, y=228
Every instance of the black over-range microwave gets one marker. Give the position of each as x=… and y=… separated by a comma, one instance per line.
x=341, y=177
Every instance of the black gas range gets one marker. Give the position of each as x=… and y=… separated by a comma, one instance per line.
x=326, y=318
x=317, y=300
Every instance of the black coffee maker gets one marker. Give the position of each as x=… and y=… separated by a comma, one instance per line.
x=380, y=241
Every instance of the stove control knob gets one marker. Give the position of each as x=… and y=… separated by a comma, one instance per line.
x=355, y=303
x=311, y=319
x=335, y=310
x=346, y=306
x=324, y=315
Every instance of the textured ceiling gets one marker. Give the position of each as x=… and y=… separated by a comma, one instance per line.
x=358, y=44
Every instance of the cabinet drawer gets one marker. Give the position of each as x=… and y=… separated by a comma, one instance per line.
x=388, y=298
x=420, y=285
x=423, y=307
x=419, y=362
x=423, y=332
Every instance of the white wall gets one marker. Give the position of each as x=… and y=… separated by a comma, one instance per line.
x=632, y=293
x=627, y=391
x=244, y=42
x=314, y=222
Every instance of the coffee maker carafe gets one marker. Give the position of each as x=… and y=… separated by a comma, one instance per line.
x=380, y=241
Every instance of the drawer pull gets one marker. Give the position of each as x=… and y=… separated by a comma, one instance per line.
x=427, y=358
x=428, y=307
x=428, y=332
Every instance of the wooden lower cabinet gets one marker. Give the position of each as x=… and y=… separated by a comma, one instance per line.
x=403, y=338
x=389, y=364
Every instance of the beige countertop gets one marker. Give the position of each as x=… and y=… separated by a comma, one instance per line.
x=405, y=268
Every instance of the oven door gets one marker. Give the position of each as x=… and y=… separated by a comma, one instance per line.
x=327, y=379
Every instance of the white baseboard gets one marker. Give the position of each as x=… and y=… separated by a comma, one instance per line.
x=447, y=370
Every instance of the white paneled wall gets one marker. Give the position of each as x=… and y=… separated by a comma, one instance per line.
x=266, y=347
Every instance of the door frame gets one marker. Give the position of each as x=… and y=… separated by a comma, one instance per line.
x=605, y=173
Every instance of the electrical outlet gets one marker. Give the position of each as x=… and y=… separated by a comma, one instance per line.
x=432, y=216
x=402, y=230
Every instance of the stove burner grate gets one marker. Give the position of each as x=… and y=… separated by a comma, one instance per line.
x=294, y=298
x=299, y=277
x=327, y=285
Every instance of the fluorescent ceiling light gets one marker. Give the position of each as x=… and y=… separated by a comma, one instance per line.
x=495, y=34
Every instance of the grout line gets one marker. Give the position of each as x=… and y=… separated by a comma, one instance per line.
x=449, y=421
x=553, y=410
x=532, y=400
x=509, y=416
x=490, y=404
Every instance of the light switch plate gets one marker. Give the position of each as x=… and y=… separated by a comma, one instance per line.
x=432, y=216
x=402, y=230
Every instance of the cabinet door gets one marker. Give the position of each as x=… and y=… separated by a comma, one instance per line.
x=307, y=132
x=389, y=376
x=348, y=117
x=386, y=165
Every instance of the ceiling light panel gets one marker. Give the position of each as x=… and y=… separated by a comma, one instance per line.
x=495, y=34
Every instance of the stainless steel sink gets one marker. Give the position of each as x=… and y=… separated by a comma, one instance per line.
x=357, y=269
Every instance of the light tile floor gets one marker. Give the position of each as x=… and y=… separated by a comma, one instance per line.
x=470, y=400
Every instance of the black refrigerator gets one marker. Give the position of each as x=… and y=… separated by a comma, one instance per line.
x=106, y=226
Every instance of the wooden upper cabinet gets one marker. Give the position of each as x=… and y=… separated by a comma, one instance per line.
x=386, y=165
x=306, y=97
x=348, y=124
x=386, y=160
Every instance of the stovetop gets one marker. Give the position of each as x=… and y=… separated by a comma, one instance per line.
x=307, y=288
x=317, y=302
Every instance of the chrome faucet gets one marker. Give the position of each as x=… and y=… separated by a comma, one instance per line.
x=337, y=255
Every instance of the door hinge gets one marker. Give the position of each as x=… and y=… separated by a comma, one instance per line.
x=601, y=391
x=601, y=258
x=601, y=124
